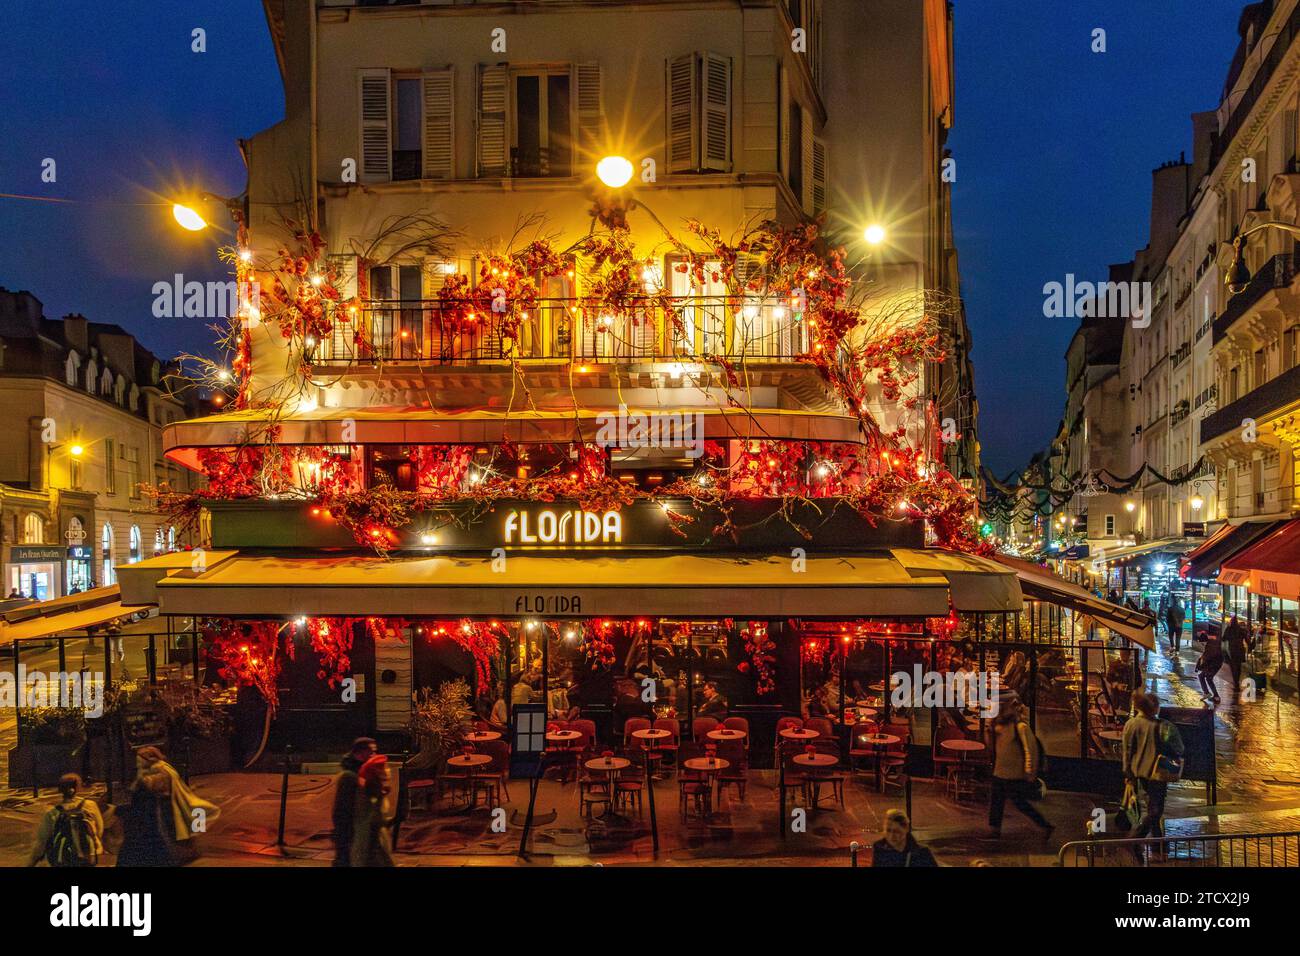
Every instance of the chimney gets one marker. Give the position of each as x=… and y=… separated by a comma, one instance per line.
x=74, y=332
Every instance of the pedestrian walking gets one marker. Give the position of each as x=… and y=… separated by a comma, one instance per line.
x=897, y=847
x=372, y=835
x=1208, y=666
x=1016, y=758
x=1238, y=645
x=1174, y=618
x=164, y=814
x=71, y=832
x=346, y=786
x=1152, y=758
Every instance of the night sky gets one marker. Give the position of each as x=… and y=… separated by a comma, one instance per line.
x=1054, y=146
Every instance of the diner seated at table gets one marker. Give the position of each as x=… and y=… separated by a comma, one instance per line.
x=712, y=703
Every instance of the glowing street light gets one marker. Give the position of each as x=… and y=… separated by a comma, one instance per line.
x=614, y=171
x=874, y=234
x=188, y=218
x=76, y=451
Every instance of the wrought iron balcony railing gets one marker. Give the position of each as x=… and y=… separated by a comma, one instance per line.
x=738, y=329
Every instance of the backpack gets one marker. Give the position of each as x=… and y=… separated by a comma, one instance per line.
x=72, y=842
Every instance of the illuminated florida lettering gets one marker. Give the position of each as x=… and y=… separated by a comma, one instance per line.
x=565, y=527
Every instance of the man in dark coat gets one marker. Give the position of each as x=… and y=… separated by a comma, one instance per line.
x=1174, y=618
x=1238, y=644
x=345, y=798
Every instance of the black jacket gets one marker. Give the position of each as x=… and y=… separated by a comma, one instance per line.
x=882, y=854
x=345, y=799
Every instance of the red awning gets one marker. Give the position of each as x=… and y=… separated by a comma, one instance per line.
x=1271, y=566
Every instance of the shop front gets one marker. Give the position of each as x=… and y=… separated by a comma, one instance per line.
x=35, y=571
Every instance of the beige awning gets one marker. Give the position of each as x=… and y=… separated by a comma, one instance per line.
x=1040, y=583
x=977, y=584
x=421, y=425
x=678, y=585
x=62, y=616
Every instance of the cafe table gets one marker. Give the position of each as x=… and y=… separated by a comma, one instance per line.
x=817, y=764
x=726, y=733
x=878, y=742
x=482, y=736
x=794, y=733
x=710, y=767
x=961, y=779
x=652, y=737
x=470, y=763
x=610, y=766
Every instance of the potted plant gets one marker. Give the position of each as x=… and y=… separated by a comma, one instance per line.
x=438, y=721
x=55, y=736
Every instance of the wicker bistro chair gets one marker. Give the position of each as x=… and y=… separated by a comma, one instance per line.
x=593, y=788
x=629, y=786
x=741, y=724
x=794, y=779
x=701, y=727
x=782, y=723
x=494, y=778
x=832, y=775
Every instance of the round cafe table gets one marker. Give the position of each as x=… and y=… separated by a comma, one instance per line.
x=961, y=747
x=792, y=733
x=726, y=733
x=653, y=737
x=710, y=767
x=482, y=736
x=470, y=764
x=878, y=742
x=563, y=738
x=611, y=766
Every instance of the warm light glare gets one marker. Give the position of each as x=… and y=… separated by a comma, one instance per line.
x=874, y=234
x=614, y=171
x=188, y=218
x=76, y=451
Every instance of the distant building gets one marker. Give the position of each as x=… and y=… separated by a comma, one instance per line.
x=84, y=406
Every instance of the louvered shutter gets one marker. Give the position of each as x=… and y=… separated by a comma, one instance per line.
x=374, y=90
x=806, y=157
x=493, y=84
x=715, y=137
x=751, y=317
x=439, y=124
x=818, y=176
x=439, y=345
x=683, y=110
x=591, y=110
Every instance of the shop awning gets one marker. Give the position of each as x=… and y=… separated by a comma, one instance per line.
x=976, y=584
x=65, y=615
x=1203, y=563
x=1041, y=584
x=402, y=425
x=1270, y=566
x=1171, y=545
x=866, y=585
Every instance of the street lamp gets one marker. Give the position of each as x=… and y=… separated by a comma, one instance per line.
x=874, y=234
x=1238, y=276
x=189, y=218
x=614, y=171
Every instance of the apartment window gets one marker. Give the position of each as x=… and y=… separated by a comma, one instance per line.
x=1234, y=378
x=106, y=551
x=134, y=554
x=406, y=125
x=1110, y=526
x=1261, y=368
x=396, y=316
x=71, y=368
x=110, y=466
x=795, y=164
x=541, y=142
x=1291, y=347
x=699, y=113
x=132, y=457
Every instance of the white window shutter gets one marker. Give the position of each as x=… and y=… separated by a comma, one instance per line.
x=439, y=124
x=715, y=136
x=374, y=89
x=683, y=111
x=591, y=110
x=818, y=176
x=493, y=86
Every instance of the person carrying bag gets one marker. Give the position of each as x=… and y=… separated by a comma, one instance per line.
x=1152, y=759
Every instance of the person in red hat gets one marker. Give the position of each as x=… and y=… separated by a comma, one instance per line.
x=372, y=833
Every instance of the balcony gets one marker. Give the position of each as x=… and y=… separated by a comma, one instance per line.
x=681, y=329
x=1276, y=274
x=1257, y=404
x=1180, y=412
x=1178, y=357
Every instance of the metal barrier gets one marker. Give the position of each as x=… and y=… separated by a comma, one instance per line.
x=1210, y=849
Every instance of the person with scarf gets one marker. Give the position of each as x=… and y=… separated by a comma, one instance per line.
x=372, y=836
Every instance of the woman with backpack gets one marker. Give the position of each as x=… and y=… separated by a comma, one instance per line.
x=71, y=832
x=1152, y=759
x=1015, y=768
